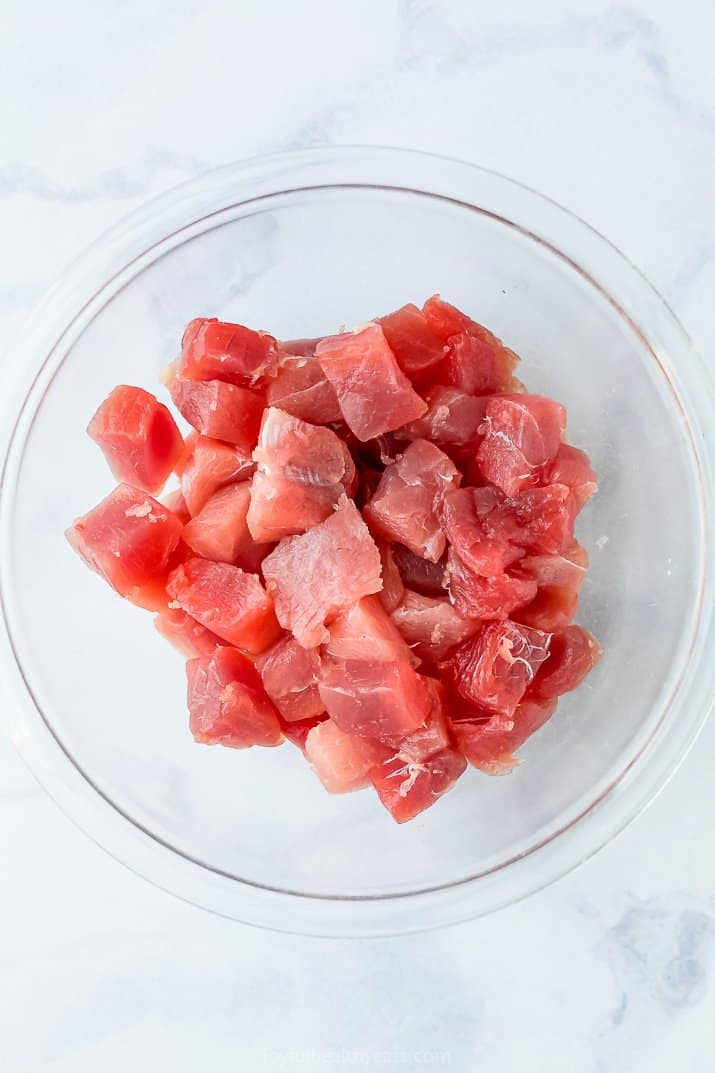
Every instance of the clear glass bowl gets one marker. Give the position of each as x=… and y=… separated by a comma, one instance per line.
x=301, y=243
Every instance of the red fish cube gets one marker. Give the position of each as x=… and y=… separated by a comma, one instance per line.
x=220, y=532
x=374, y=698
x=208, y=465
x=226, y=600
x=227, y=702
x=493, y=669
x=409, y=497
x=290, y=677
x=215, y=350
x=315, y=576
x=416, y=345
x=186, y=634
x=573, y=654
x=128, y=539
x=220, y=410
x=407, y=788
x=303, y=472
x=374, y=394
x=341, y=761
x=522, y=434
x=431, y=625
x=138, y=436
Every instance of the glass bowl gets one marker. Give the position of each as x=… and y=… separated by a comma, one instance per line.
x=302, y=243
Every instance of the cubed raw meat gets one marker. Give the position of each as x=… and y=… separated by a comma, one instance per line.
x=406, y=788
x=303, y=472
x=393, y=589
x=476, y=596
x=420, y=574
x=220, y=410
x=463, y=528
x=453, y=420
x=226, y=600
x=315, y=576
x=297, y=732
x=417, y=347
x=490, y=745
x=408, y=500
x=374, y=698
x=214, y=350
x=301, y=388
x=228, y=704
x=374, y=394
x=208, y=465
x=366, y=632
x=431, y=625
x=477, y=362
x=433, y=736
x=138, y=436
x=572, y=468
x=341, y=761
x=540, y=520
x=186, y=634
x=128, y=539
x=522, y=434
x=574, y=652
x=219, y=531
x=493, y=669
x=290, y=677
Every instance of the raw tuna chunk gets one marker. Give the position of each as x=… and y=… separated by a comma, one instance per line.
x=303, y=471
x=420, y=574
x=297, y=348
x=463, y=528
x=559, y=578
x=226, y=600
x=540, y=519
x=567, y=570
x=493, y=669
x=290, y=677
x=522, y=434
x=208, y=465
x=572, y=655
x=227, y=702
x=572, y=468
x=219, y=531
x=297, y=732
x=406, y=788
x=393, y=589
x=315, y=576
x=434, y=734
x=176, y=503
x=452, y=420
x=186, y=634
x=476, y=596
x=366, y=632
x=373, y=698
x=417, y=347
x=342, y=761
x=490, y=745
x=477, y=362
x=138, y=436
x=431, y=625
x=551, y=609
x=409, y=497
x=220, y=410
x=301, y=388
x=214, y=350
x=374, y=394
x=128, y=539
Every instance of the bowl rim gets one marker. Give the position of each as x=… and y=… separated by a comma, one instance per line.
x=123, y=247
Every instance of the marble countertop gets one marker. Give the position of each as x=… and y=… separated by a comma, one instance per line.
x=610, y=109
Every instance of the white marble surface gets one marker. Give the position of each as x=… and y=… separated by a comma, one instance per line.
x=611, y=110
